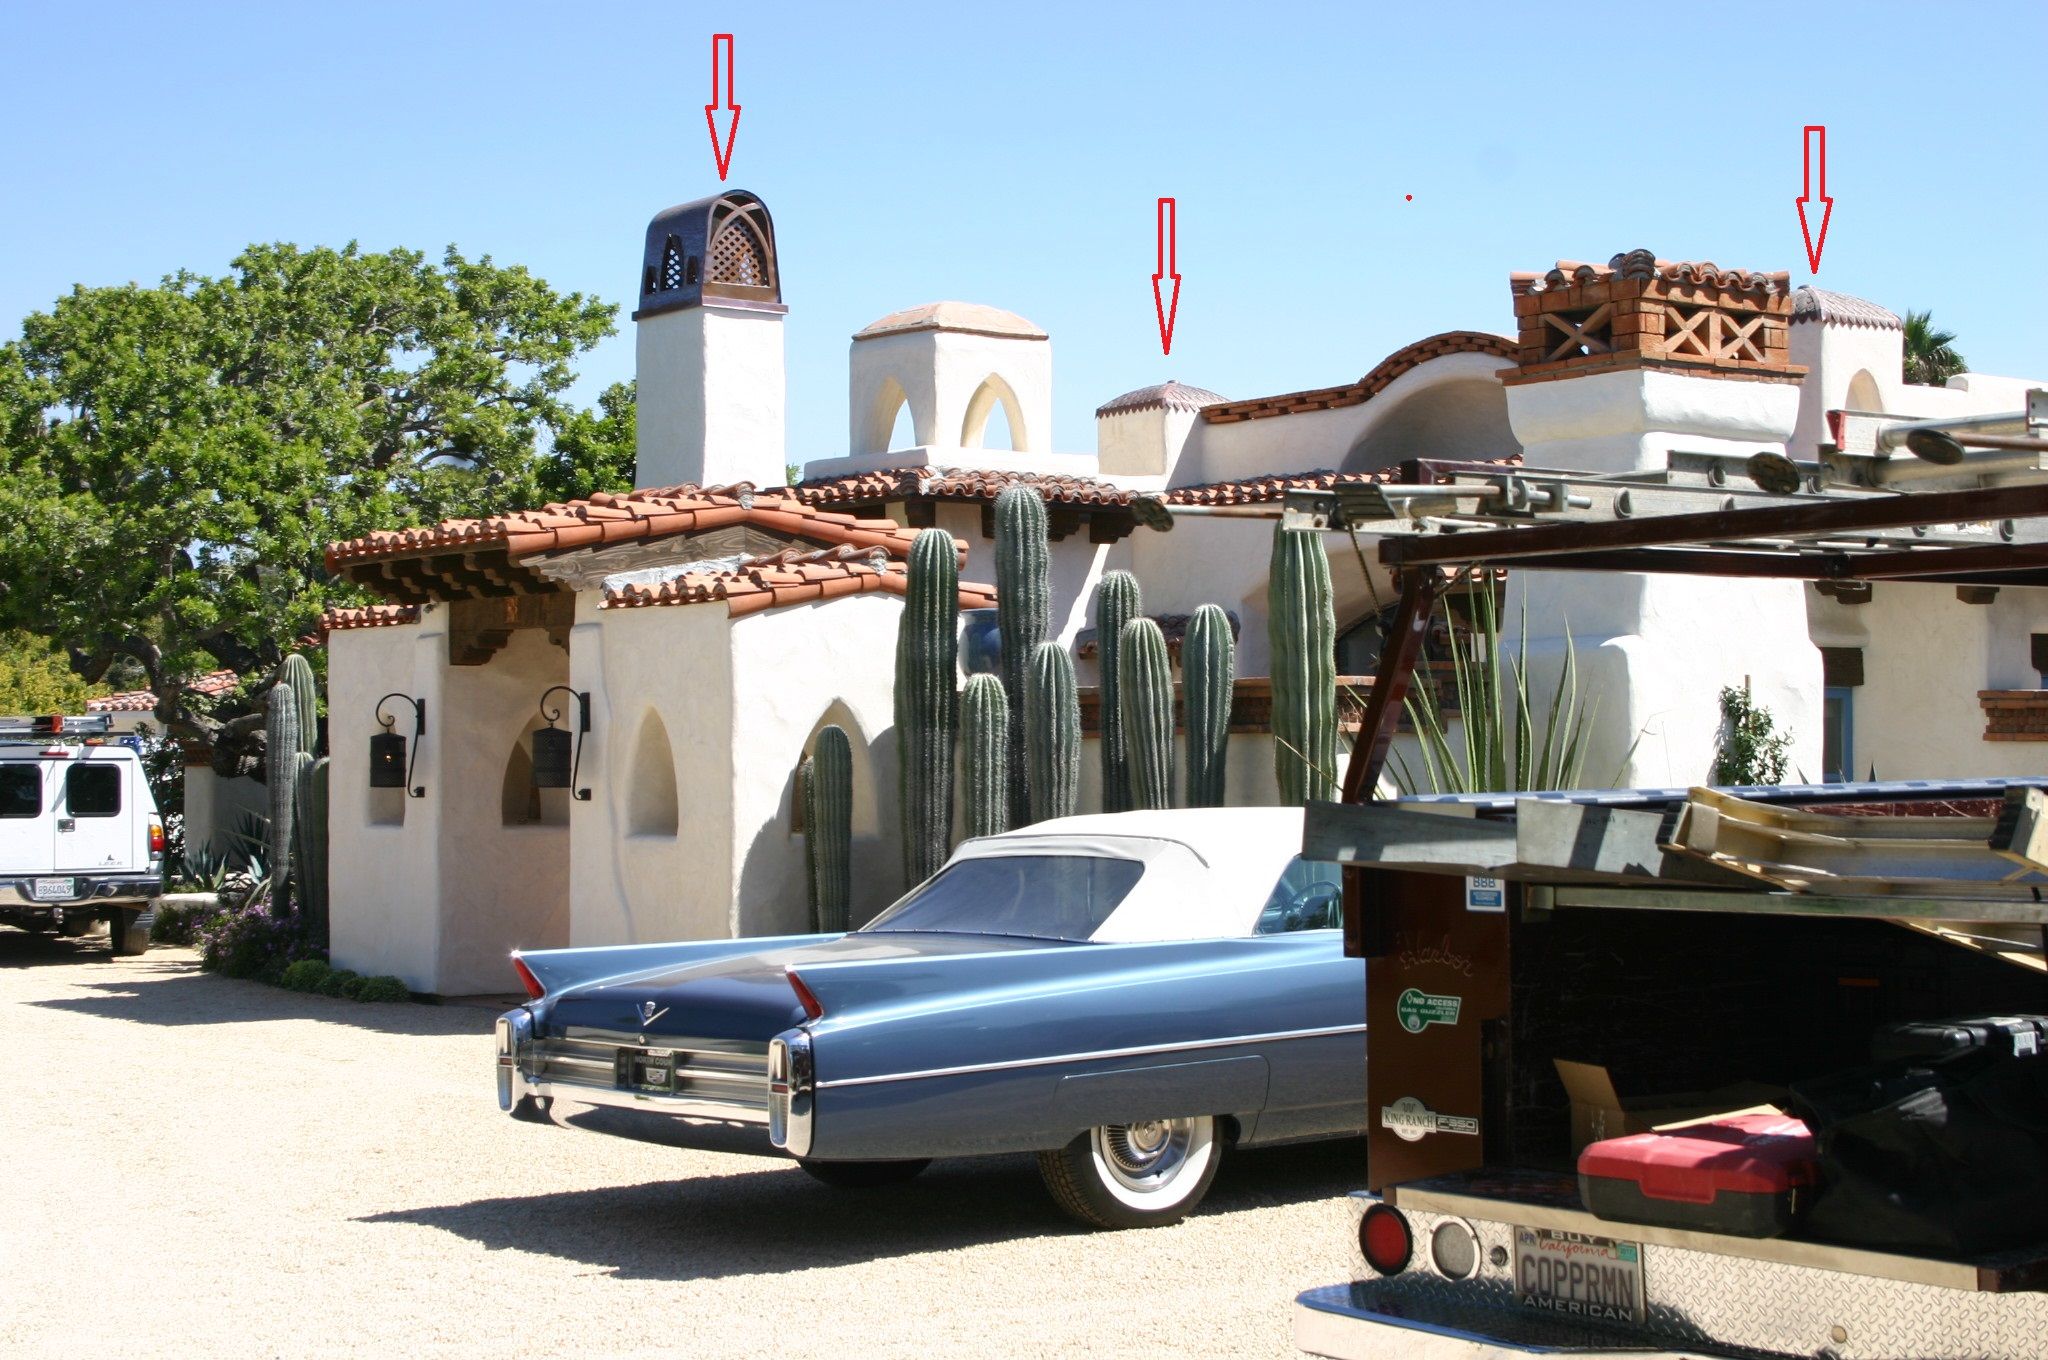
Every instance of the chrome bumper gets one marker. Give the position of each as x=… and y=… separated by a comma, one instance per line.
x=17, y=891
x=710, y=1078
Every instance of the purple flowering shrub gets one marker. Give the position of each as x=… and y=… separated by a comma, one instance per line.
x=248, y=942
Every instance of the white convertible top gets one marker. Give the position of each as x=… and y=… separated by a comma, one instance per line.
x=1208, y=871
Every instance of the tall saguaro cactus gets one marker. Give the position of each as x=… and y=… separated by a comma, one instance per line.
x=828, y=830
x=1302, y=626
x=1208, y=663
x=1145, y=688
x=1117, y=602
x=309, y=831
x=298, y=673
x=1052, y=738
x=281, y=769
x=927, y=712
x=1023, y=605
x=985, y=748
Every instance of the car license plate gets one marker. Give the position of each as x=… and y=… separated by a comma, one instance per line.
x=648, y=1071
x=1579, y=1275
x=53, y=889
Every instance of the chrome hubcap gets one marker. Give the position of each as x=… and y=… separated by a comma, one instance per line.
x=1145, y=1156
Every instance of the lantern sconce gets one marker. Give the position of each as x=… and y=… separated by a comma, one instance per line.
x=390, y=766
x=553, y=765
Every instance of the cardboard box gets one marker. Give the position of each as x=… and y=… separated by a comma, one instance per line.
x=1600, y=1112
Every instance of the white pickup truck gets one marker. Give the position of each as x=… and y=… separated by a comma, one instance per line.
x=80, y=838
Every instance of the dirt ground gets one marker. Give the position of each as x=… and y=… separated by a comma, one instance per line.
x=198, y=1166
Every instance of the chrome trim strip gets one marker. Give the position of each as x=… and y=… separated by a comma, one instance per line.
x=680, y=1106
x=1143, y=1050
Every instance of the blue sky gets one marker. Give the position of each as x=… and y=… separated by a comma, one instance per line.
x=1012, y=155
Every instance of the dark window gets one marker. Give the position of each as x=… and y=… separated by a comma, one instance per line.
x=1309, y=896
x=93, y=790
x=1838, y=733
x=1841, y=667
x=21, y=790
x=1052, y=897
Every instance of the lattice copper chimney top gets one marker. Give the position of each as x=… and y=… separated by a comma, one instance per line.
x=1638, y=311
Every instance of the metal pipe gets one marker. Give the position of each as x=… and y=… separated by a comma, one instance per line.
x=1893, y=437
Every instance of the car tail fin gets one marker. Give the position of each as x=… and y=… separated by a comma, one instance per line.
x=812, y=1006
x=534, y=990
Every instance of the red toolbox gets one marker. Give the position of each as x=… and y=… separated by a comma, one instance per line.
x=1746, y=1175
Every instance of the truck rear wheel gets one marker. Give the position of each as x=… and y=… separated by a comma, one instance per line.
x=128, y=930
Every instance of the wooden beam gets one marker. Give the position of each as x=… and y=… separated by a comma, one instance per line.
x=1390, y=837
x=1637, y=898
x=1721, y=526
x=1402, y=649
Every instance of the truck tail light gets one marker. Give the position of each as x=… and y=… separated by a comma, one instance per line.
x=156, y=836
x=1386, y=1239
x=534, y=991
x=812, y=1006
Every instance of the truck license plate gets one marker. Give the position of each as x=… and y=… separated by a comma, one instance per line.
x=53, y=889
x=1579, y=1275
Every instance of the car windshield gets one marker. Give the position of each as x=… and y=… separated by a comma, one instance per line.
x=1052, y=897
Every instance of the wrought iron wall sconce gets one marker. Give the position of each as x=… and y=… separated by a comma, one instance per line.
x=390, y=766
x=553, y=765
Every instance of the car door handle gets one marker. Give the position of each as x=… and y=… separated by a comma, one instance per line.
x=67, y=824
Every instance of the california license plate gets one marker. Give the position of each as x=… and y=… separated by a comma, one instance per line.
x=53, y=889
x=1579, y=1275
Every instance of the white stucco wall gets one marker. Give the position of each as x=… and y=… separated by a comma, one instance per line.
x=795, y=669
x=939, y=373
x=384, y=849
x=1144, y=443
x=215, y=808
x=710, y=396
x=1628, y=419
x=675, y=664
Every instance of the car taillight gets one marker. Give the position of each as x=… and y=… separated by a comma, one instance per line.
x=812, y=1006
x=156, y=837
x=1386, y=1240
x=534, y=991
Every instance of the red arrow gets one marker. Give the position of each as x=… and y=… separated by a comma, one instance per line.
x=1167, y=305
x=1815, y=147
x=722, y=148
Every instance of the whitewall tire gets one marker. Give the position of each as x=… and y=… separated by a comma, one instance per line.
x=1143, y=1175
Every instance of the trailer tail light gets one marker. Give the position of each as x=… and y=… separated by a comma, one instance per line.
x=534, y=991
x=156, y=837
x=1386, y=1239
x=812, y=1006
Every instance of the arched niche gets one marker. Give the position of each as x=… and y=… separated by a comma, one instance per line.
x=1460, y=418
x=993, y=392
x=519, y=802
x=652, y=805
x=866, y=817
x=1863, y=393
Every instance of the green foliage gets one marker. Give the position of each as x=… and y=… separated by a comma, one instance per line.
x=1117, y=601
x=1504, y=744
x=36, y=676
x=1301, y=623
x=339, y=981
x=306, y=975
x=594, y=450
x=927, y=705
x=828, y=825
x=1208, y=663
x=1052, y=738
x=985, y=745
x=385, y=988
x=1023, y=606
x=806, y=771
x=189, y=448
x=248, y=942
x=1145, y=689
x=1752, y=749
x=179, y=924
x=1931, y=356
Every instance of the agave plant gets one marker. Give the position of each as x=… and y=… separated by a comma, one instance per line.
x=1504, y=744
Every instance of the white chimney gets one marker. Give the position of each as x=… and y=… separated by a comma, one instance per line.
x=710, y=347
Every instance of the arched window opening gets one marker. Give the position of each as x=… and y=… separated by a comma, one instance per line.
x=1863, y=395
x=993, y=396
x=652, y=807
x=902, y=430
x=737, y=256
x=671, y=264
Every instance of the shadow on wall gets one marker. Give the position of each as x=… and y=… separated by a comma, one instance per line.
x=757, y=1222
x=771, y=895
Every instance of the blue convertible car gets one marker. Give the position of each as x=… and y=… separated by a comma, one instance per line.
x=1124, y=995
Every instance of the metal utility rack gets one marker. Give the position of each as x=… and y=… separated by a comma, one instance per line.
x=1674, y=929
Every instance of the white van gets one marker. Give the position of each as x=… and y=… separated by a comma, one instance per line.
x=80, y=838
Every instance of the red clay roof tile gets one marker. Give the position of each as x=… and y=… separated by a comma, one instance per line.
x=1365, y=389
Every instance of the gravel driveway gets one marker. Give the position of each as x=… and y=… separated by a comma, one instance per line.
x=199, y=1166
